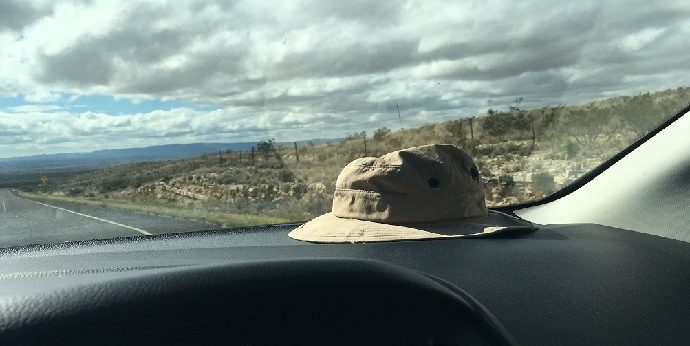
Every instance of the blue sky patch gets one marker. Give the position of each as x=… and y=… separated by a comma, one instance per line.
x=100, y=104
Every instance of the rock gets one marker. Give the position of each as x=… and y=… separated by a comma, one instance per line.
x=524, y=178
x=317, y=188
x=561, y=180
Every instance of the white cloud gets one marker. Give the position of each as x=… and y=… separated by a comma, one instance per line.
x=294, y=68
x=33, y=108
x=640, y=39
x=42, y=96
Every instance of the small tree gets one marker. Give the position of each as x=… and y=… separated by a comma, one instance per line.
x=547, y=118
x=590, y=124
x=496, y=124
x=455, y=133
x=640, y=114
x=355, y=135
x=266, y=147
x=381, y=134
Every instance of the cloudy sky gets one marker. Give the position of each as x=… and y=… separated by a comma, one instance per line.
x=87, y=74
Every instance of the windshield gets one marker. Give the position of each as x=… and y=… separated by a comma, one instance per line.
x=149, y=117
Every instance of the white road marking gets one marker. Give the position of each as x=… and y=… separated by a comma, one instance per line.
x=95, y=218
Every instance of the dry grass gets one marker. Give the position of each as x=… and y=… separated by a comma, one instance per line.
x=215, y=218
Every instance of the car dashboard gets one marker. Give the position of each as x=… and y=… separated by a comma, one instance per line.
x=561, y=284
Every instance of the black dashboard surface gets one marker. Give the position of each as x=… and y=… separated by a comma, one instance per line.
x=562, y=284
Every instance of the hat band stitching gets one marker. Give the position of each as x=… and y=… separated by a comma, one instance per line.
x=365, y=167
x=403, y=194
x=384, y=166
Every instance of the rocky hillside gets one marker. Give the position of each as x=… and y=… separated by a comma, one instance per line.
x=522, y=154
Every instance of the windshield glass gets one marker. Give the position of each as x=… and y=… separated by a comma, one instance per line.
x=148, y=117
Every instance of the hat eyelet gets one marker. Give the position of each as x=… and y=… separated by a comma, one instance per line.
x=433, y=183
x=474, y=173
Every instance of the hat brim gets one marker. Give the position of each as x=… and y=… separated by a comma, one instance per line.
x=329, y=228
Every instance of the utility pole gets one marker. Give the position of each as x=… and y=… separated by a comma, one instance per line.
x=252, y=155
x=471, y=129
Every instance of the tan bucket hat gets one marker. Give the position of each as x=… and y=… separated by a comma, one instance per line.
x=427, y=192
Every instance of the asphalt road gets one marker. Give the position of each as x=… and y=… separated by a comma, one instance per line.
x=24, y=221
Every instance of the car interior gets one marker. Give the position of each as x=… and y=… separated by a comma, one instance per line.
x=608, y=264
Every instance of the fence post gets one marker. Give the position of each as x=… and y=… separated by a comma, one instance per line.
x=365, y=144
x=534, y=135
x=296, y=152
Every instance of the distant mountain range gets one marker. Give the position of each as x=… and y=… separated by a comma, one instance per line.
x=107, y=157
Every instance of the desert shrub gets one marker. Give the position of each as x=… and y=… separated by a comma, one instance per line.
x=113, y=183
x=227, y=179
x=75, y=191
x=543, y=182
x=323, y=156
x=285, y=175
x=394, y=143
x=571, y=149
x=138, y=180
x=506, y=180
x=30, y=188
x=381, y=134
x=486, y=150
x=316, y=206
x=454, y=133
x=506, y=148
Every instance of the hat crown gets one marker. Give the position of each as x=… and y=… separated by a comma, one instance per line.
x=438, y=169
x=420, y=184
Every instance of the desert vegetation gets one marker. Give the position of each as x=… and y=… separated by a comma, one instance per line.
x=523, y=155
